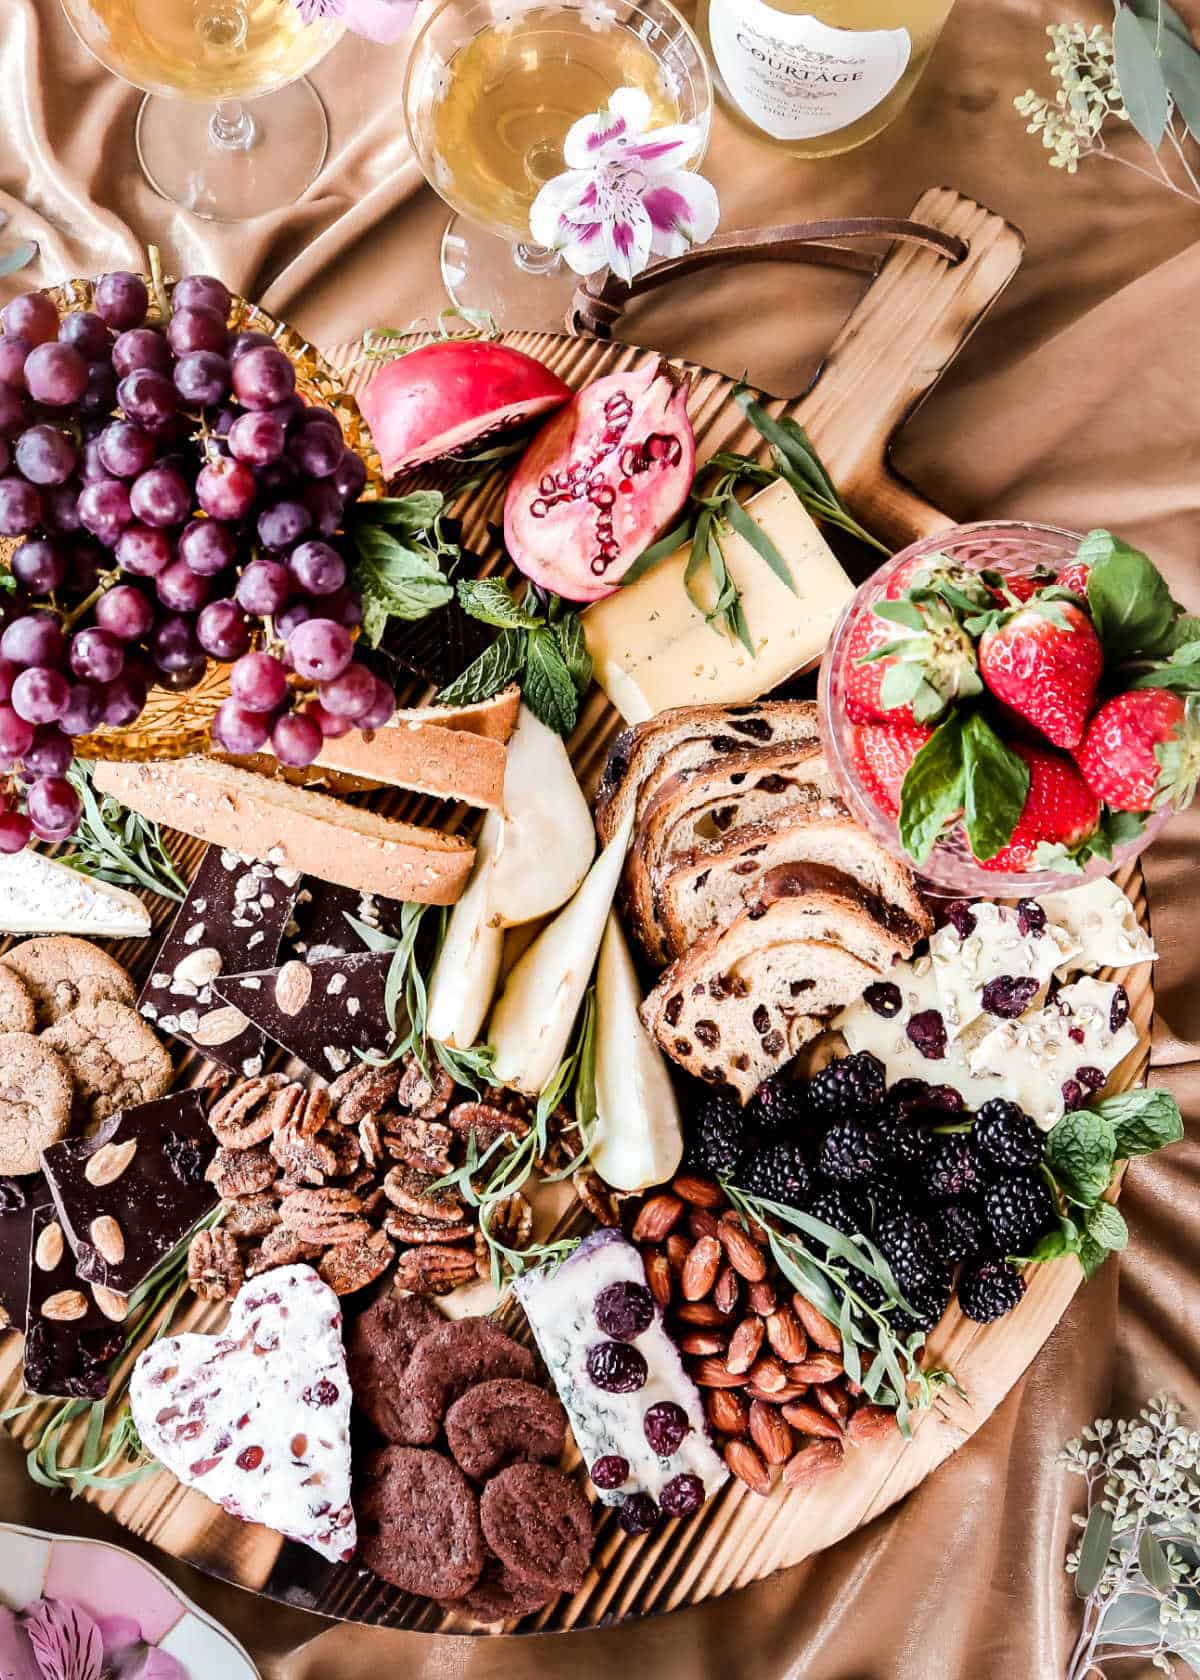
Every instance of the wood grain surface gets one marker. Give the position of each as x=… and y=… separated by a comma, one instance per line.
x=891, y=351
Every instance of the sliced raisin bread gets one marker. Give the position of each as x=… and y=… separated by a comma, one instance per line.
x=709, y=886
x=700, y=805
x=747, y=998
x=643, y=757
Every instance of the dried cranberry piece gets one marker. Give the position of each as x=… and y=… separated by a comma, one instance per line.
x=624, y=1310
x=184, y=1157
x=1009, y=995
x=666, y=1424
x=908, y=1094
x=12, y=1197
x=1072, y=1094
x=884, y=998
x=249, y=1458
x=1090, y=1078
x=1031, y=918
x=610, y=1471
x=1119, y=1013
x=1076, y=1035
x=960, y=914
x=616, y=1367
x=927, y=1031
x=638, y=1514
x=323, y=1393
x=682, y=1495
x=203, y=1465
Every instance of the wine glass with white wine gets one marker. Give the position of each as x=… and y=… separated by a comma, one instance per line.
x=493, y=86
x=201, y=63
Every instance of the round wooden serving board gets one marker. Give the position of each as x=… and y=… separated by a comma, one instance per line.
x=913, y=318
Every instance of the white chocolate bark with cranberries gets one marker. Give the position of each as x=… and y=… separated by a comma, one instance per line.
x=994, y=961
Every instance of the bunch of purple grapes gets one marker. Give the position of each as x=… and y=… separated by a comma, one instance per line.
x=177, y=502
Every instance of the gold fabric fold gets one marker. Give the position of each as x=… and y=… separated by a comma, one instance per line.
x=1078, y=402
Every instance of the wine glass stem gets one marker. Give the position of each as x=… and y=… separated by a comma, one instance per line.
x=231, y=126
x=536, y=259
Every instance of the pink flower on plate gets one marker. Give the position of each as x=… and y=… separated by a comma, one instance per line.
x=65, y=1640
x=382, y=21
x=626, y=194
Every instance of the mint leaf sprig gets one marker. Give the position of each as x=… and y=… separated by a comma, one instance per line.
x=403, y=559
x=541, y=645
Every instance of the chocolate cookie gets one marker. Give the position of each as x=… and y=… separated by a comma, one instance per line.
x=17, y=1013
x=35, y=1101
x=446, y=1362
x=539, y=1525
x=501, y=1596
x=418, y=1523
x=61, y=972
x=112, y=1055
x=378, y=1350
x=503, y=1422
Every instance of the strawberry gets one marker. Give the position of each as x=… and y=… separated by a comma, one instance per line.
x=932, y=663
x=1060, y=810
x=882, y=756
x=1044, y=661
x=1074, y=577
x=1142, y=749
x=1020, y=587
x=926, y=571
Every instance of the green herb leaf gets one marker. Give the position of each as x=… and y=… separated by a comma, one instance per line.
x=1140, y=73
x=1183, y=634
x=573, y=646
x=547, y=686
x=658, y=551
x=995, y=786
x=1182, y=678
x=933, y=790
x=1081, y=1153
x=753, y=533
x=1093, y=1553
x=494, y=669
x=1153, y=1561
x=117, y=845
x=1130, y=603
x=1143, y=1121
x=415, y=512
x=491, y=600
x=395, y=582
x=372, y=937
x=1106, y=1227
x=1055, y=1244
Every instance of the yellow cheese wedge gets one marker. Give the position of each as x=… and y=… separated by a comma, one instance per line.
x=652, y=649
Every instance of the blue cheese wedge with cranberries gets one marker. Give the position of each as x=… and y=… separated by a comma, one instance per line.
x=636, y=1415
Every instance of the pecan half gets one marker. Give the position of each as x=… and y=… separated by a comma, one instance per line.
x=345, y=1150
x=214, y=1265
x=433, y=1270
x=301, y=1155
x=425, y=1095
x=422, y=1144
x=486, y=1121
x=363, y=1090
x=281, y=1247
x=600, y=1201
x=412, y=1192
x=509, y=1222
x=244, y=1116
x=240, y=1172
x=253, y=1216
x=352, y=1266
x=415, y=1228
x=324, y=1216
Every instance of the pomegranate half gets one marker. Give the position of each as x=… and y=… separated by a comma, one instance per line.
x=440, y=399
x=600, y=480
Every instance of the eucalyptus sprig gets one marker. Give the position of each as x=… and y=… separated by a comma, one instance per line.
x=119, y=846
x=1137, y=1566
x=849, y=1280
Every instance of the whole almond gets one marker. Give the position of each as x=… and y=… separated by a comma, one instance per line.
x=817, y=1327
x=658, y=1276
x=220, y=1026
x=714, y=1373
x=111, y=1304
x=786, y=1336
x=811, y=1420
x=107, y=1238
x=768, y=1374
x=109, y=1162
x=770, y=1433
x=704, y=1313
x=817, y=1368
x=657, y=1218
x=700, y=1269
x=701, y=1192
x=760, y=1296
x=49, y=1250
x=776, y=1396
x=702, y=1342
x=744, y=1344
x=199, y=966
x=811, y=1464
x=726, y=1411
x=744, y=1254
x=833, y=1399
x=726, y=1289
x=746, y=1463
x=64, y=1305
x=870, y=1423
x=701, y=1223
x=678, y=1248
x=293, y=987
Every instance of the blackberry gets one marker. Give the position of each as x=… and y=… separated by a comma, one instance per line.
x=988, y=1287
x=720, y=1135
x=906, y=1143
x=1007, y=1138
x=951, y=1170
x=847, y=1085
x=959, y=1230
x=779, y=1109
x=851, y=1153
x=928, y=1304
x=924, y=1278
x=1018, y=1211
x=841, y=1208
x=778, y=1173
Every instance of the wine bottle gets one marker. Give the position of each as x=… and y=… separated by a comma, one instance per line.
x=817, y=77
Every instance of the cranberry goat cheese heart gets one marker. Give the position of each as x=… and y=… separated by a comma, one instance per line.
x=258, y=1418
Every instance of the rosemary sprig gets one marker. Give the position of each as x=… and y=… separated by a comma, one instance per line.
x=829, y=1269
x=120, y=846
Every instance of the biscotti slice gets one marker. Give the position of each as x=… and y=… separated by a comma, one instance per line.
x=711, y=885
x=744, y=1000
x=425, y=757
x=496, y=718
x=294, y=828
x=698, y=806
x=642, y=758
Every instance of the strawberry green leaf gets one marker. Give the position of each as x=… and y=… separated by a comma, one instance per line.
x=899, y=612
x=902, y=683
x=1120, y=827
x=1130, y=603
x=932, y=790
x=1184, y=632
x=1183, y=678
x=995, y=784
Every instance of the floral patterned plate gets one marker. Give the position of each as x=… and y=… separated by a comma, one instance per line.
x=97, y=1576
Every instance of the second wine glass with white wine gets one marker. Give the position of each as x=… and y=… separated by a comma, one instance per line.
x=229, y=127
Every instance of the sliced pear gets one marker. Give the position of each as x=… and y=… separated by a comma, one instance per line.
x=638, y=1136
x=548, y=840
x=531, y=1024
x=463, y=982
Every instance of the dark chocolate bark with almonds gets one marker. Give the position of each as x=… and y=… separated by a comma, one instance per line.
x=325, y=1013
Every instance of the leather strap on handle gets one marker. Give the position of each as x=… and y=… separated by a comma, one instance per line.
x=598, y=304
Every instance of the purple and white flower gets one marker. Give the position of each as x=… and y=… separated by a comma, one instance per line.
x=626, y=194
x=382, y=21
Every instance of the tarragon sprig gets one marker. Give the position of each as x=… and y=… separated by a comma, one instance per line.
x=119, y=846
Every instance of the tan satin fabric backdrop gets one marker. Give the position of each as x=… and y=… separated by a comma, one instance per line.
x=1078, y=402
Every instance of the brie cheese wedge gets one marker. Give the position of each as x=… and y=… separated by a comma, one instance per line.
x=40, y=895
